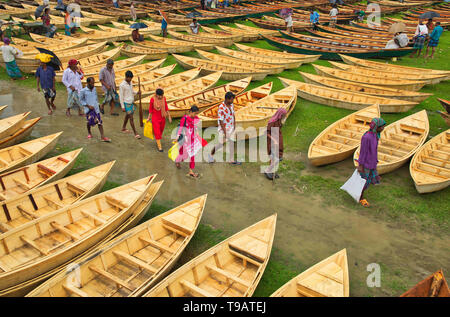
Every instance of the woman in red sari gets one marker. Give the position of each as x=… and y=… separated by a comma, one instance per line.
x=157, y=114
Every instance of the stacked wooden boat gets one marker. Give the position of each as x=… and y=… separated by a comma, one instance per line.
x=149, y=53
x=22, y=132
x=273, y=23
x=204, y=39
x=105, y=34
x=261, y=52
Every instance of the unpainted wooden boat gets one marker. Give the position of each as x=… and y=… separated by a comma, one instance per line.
x=99, y=58
x=378, y=91
x=257, y=30
x=434, y=285
x=285, y=63
x=445, y=104
x=11, y=124
x=165, y=47
x=59, y=39
x=251, y=121
x=430, y=166
x=149, y=53
x=345, y=99
x=207, y=98
x=52, y=195
x=229, y=72
x=201, y=39
x=24, y=131
x=133, y=262
x=247, y=36
x=277, y=24
x=24, y=179
x=399, y=141
x=181, y=43
x=99, y=18
x=328, y=278
x=29, y=47
x=232, y=268
x=209, y=116
x=277, y=54
x=188, y=88
x=126, y=27
x=340, y=139
x=49, y=241
x=371, y=80
x=272, y=69
x=18, y=12
x=103, y=35
x=26, y=153
x=3, y=108
x=215, y=33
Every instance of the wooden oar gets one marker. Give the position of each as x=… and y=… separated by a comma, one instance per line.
x=141, y=115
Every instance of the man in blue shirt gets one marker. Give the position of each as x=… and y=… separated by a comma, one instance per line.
x=314, y=18
x=89, y=100
x=45, y=78
x=434, y=39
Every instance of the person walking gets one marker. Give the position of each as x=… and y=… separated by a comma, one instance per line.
x=195, y=26
x=133, y=12
x=419, y=38
x=45, y=80
x=126, y=94
x=190, y=139
x=333, y=16
x=434, y=39
x=116, y=3
x=67, y=23
x=275, y=142
x=72, y=77
x=164, y=23
x=314, y=18
x=226, y=126
x=9, y=54
x=289, y=21
x=368, y=156
x=50, y=29
x=158, y=111
x=89, y=100
x=107, y=77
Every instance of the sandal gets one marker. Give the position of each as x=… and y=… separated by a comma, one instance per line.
x=364, y=203
x=236, y=163
x=194, y=175
x=125, y=131
x=105, y=139
x=178, y=165
x=137, y=136
x=89, y=136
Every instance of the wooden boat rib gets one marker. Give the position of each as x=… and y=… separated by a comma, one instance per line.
x=232, y=268
x=40, y=201
x=251, y=121
x=180, y=43
x=150, y=250
x=372, y=80
x=24, y=179
x=201, y=39
x=345, y=99
x=148, y=88
x=340, y=139
x=378, y=91
x=230, y=72
x=277, y=54
x=270, y=68
x=11, y=124
x=53, y=239
x=149, y=53
x=256, y=30
x=328, y=278
x=390, y=67
x=166, y=47
x=26, y=153
x=287, y=64
x=430, y=166
x=247, y=36
x=24, y=131
x=191, y=87
x=399, y=141
x=428, y=79
x=215, y=33
x=434, y=285
x=209, y=116
x=207, y=98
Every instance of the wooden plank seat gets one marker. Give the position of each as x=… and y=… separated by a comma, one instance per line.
x=24, y=151
x=229, y=275
x=46, y=171
x=133, y=260
x=74, y=290
x=4, y=162
x=250, y=247
x=195, y=289
x=51, y=201
x=174, y=230
x=115, y=202
x=4, y=227
x=111, y=277
x=65, y=231
x=27, y=213
x=411, y=129
x=76, y=189
x=307, y=292
x=157, y=245
x=21, y=183
x=63, y=159
x=32, y=244
x=244, y=257
x=93, y=216
x=181, y=221
x=363, y=118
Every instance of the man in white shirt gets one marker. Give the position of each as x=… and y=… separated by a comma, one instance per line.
x=72, y=77
x=127, y=93
x=289, y=22
x=194, y=26
x=400, y=40
x=333, y=16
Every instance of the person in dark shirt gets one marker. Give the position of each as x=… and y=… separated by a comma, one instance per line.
x=45, y=79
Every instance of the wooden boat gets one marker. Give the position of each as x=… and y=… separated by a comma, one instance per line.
x=82, y=52
x=232, y=268
x=24, y=131
x=207, y=98
x=142, y=73
x=149, y=53
x=247, y=36
x=100, y=58
x=26, y=153
x=445, y=104
x=399, y=141
x=59, y=39
x=286, y=64
x=277, y=54
x=371, y=80
x=180, y=43
x=251, y=121
x=102, y=35
x=49, y=241
x=328, y=278
x=24, y=179
x=3, y=108
x=215, y=33
x=347, y=38
x=182, y=90
x=430, y=166
x=29, y=47
x=126, y=27
x=340, y=139
x=277, y=24
x=390, y=67
x=172, y=27
x=136, y=260
x=165, y=47
x=229, y=72
x=270, y=68
x=201, y=39
x=428, y=79
x=344, y=99
x=365, y=89
x=11, y=124
x=18, y=12
x=21, y=289
x=112, y=13
x=40, y=201
x=434, y=285
x=99, y=18
x=256, y=30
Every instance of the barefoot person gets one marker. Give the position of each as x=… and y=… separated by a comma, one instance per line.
x=434, y=39
x=419, y=38
x=9, y=54
x=107, y=77
x=333, y=16
x=71, y=78
x=127, y=93
x=45, y=79
x=368, y=156
x=157, y=114
x=190, y=140
x=275, y=142
x=89, y=100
